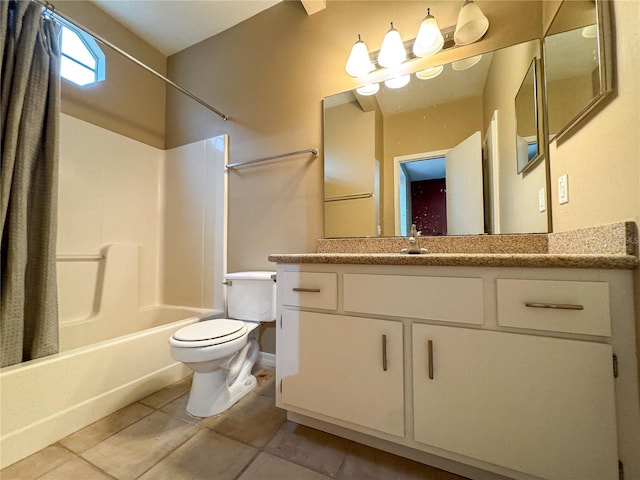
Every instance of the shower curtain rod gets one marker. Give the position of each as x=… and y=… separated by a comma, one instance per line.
x=52, y=8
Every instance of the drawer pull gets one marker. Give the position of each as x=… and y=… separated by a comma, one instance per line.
x=306, y=290
x=554, y=306
x=384, y=353
x=430, y=357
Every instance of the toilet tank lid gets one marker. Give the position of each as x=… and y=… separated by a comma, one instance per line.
x=251, y=276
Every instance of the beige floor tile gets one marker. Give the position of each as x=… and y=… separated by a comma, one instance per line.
x=312, y=448
x=37, y=464
x=253, y=420
x=89, y=436
x=178, y=409
x=207, y=455
x=268, y=467
x=76, y=469
x=134, y=450
x=168, y=394
x=266, y=377
x=366, y=463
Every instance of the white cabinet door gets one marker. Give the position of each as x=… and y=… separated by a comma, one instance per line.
x=336, y=366
x=543, y=406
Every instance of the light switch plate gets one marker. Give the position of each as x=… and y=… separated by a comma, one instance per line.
x=542, y=200
x=563, y=189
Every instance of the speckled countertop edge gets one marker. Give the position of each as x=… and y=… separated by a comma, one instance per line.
x=543, y=260
x=612, y=246
x=612, y=239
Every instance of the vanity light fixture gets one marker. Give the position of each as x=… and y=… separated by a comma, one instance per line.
x=368, y=89
x=429, y=40
x=359, y=63
x=471, y=25
x=429, y=73
x=392, y=52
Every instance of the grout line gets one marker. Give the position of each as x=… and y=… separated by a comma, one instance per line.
x=82, y=459
x=169, y=452
x=249, y=463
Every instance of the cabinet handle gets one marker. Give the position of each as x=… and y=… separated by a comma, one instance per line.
x=307, y=290
x=430, y=357
x=384, y=353
x=555, y=306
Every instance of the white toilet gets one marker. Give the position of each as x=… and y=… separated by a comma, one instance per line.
x=221, y=352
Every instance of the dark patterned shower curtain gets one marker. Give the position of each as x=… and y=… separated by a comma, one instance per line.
x=30, y=102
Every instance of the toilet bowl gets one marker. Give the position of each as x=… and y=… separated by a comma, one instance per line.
x=221, y=352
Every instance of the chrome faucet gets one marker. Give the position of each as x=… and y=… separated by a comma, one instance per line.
x=414, y=242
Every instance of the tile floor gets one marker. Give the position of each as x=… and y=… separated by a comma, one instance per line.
x=155, y=439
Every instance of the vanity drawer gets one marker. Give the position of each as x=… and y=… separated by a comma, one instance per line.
x=557, y=306
x=310, y=290
x=453, y=299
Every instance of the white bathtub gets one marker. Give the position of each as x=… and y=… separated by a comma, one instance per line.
x=44, y=400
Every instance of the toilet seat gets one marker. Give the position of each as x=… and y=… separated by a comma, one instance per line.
x=208, y=333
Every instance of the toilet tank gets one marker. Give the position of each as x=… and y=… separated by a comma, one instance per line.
x=251, y=296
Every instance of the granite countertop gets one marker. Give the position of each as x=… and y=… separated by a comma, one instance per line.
x=605, y=246
x=545, y=260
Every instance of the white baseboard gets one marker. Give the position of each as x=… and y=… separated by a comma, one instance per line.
x=267, y=359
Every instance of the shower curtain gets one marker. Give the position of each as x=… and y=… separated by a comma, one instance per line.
x=30, y=101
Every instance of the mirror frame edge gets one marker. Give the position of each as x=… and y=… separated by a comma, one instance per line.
x=539, y=112
x=605, y=70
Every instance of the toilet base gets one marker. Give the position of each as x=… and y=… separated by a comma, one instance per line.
x=206, y=401
x=211, y=393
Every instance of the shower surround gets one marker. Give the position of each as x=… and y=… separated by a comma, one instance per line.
x=141, y=253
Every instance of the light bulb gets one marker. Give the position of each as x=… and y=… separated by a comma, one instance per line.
x=471, y=25
x=359, y=63
x=429, y=73
x=369, y=89
x=429, y=40
x=397, y=82
x=590, y=31
x=466, y=63
x=392, y=52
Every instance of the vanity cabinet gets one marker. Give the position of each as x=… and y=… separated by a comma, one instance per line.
x=347, y=368
x=490, y=372
x=539, y=405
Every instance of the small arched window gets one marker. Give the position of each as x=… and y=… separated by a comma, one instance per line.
x=82, y=61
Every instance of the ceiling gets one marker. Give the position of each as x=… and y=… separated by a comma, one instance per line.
x=173, y=25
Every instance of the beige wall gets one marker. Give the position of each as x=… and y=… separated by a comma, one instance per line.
x=270, y=74
x=130, y=101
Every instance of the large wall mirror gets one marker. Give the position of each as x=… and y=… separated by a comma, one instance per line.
x=440, y=152
x=578, y=62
